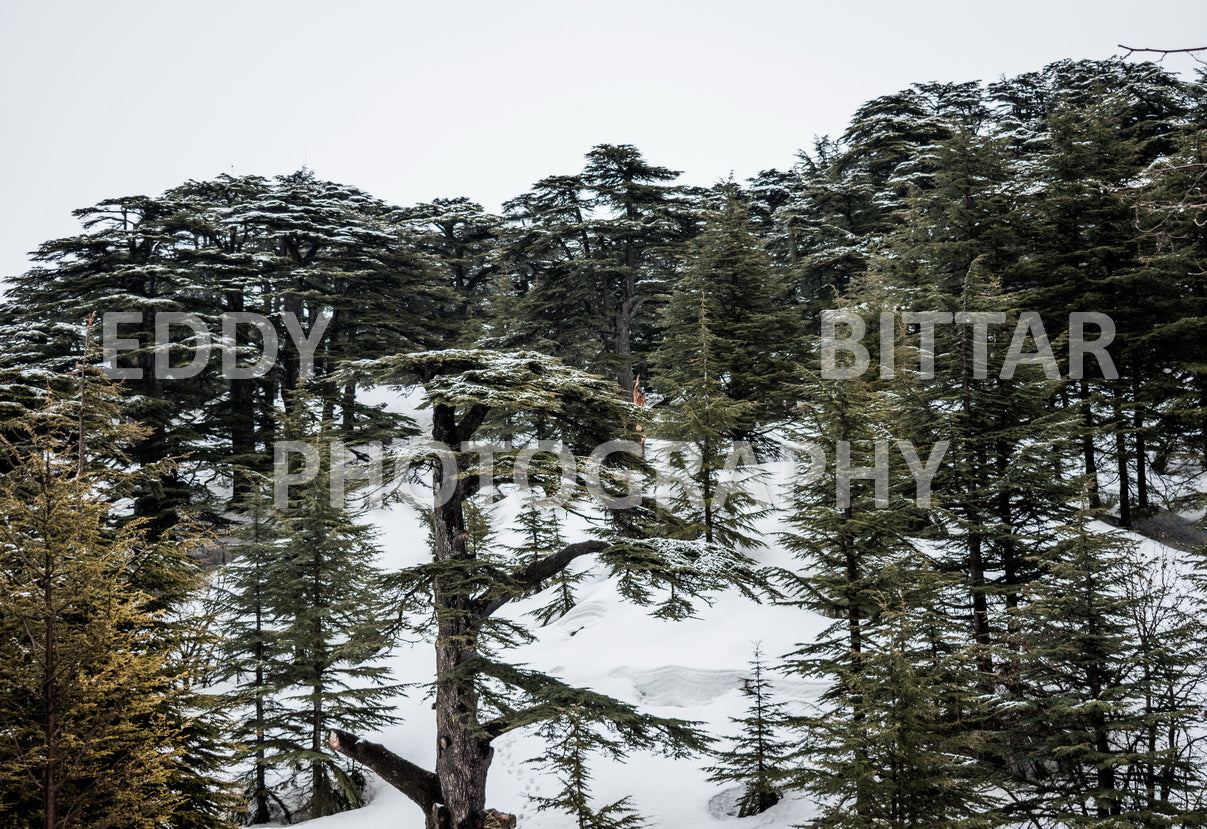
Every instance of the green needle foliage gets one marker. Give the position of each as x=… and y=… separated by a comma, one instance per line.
x=758, y=758
x=98, y=725
x=895, y=740
x=1098, y=709
x=307, y=627
x=571, y=741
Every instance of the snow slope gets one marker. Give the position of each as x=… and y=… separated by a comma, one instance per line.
x=688, y=670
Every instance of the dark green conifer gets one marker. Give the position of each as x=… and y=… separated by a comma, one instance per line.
x=758, y=758
x=571, y=741
x=309, y=624
x=1089, y=686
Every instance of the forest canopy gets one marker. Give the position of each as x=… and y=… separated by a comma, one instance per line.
x=930, y=281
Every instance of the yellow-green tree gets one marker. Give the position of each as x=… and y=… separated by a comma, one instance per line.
x=92, y=715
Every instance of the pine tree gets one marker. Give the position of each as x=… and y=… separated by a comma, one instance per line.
x=728, y=337
x=1010, y=458
x=758, y=759
x=94, y=721
x=309, y=624
x=252, y=654
x=588, y=254
x=849, y=191
x=895, y=741
x=1010, y=443
x=1169, y=213
x=571, y=741
x=463, y=239
x=331, y=622
x=1083, y=132
x=723, y=363
x=1088, y=687
x=207, y=793
x=234, y=245
x=480, y=696
x=846, y=530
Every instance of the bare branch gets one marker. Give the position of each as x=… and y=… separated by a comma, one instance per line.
x=1131, y=50
x=420, y=785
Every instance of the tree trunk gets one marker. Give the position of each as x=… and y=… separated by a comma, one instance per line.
x=463, y=753
x=1141, y=461
x=242, y=416
x=630, y=303
x=624, y=342
x=261, y=813
x=980, y=604
x=1125, y=500
x=1087, y=446
x=289, y=356
x=50, y=698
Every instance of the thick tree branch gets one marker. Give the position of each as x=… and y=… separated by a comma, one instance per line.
x=471, y=421
x=551, y=565
x=420, y=785
x=536, y=572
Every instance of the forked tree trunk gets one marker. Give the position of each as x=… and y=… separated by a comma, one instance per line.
x=454, y=796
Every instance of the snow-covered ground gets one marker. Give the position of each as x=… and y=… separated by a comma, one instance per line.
x=688, y=669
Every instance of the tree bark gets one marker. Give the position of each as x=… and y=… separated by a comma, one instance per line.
x=1087, y=446
x=463, y=751
x=1125, y=500
x=50, y=698
x=454, y=795
x=1141, y=461
x=420, y=785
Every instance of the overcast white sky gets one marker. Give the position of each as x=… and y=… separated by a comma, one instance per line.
x=414, y=100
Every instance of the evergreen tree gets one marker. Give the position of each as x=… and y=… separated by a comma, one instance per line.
x=117, y=265
x=571, y=740
x=1169, y=213
x=94, y=721
x=758, y=758
x=1009, y=467
x=1083, y=132
x=1088, y=688
x=207, y=794
x=463, y=239
x=309, y=624
x=723, y=363
x=588, y=254
x=825, y=232
x=341, y=262
x=728, y=337
x=843, y=529
x=252, y=653
x=895, y=740
x=1009, y=451
x=479, y=696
